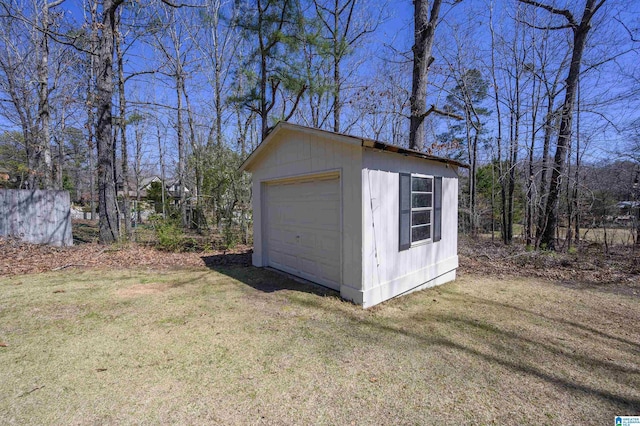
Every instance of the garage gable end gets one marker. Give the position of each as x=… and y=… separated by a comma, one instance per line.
x=265, y=150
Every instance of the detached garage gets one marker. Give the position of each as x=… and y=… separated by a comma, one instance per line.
x=370, y=220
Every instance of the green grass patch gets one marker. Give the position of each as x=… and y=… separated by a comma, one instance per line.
x=241, y=345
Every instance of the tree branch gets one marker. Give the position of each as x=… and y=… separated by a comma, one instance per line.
x=435, y=110
x=548, y=27
x=180, y=5
x=633, y=39
x=295, y=105
x=563, y=12
x=55, y=3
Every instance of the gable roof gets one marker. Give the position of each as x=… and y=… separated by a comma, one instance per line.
x=149, y=180
x=344, y=138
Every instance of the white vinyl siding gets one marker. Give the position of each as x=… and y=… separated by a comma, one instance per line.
x=390, y=268
x=421, y=208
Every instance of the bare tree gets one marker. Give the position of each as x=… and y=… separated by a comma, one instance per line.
x=44, y=113
x=580, y=32
x=26, y=32
x=90, y=103
x=176, y=55
x=219, y=45
x=122, y=125
x=108, y=218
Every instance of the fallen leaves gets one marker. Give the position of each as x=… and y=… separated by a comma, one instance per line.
x=619, y=269
x=17, y=258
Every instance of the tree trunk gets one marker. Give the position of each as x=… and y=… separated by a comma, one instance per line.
x=43, y=149
x=138, y=171
x=263, y=94
x=473, y=177
x=123, y=137
x=513, y=160
x=529, y=219
x=548, y=130
x=59, y=175
x=496, y=98
x=198, y=152
x=564, y=136
x=337, y=101
x=162, y=174
x=424, y=34
x=549, y=220
x=91, y=100
x=108, y=219
x=181, y=151
x=576, y=182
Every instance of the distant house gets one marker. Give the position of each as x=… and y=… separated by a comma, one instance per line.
x=627, y=212
x=145, y=184
x=626, y=207
x=368, y=219
x=173, y=191
x=133, y=191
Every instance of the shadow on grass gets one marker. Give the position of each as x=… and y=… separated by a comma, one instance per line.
x=517, y=352
x=522, y=353
x=238, y=266
x=562, y=322
x=461, y=332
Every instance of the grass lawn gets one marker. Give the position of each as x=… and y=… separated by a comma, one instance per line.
x=238, y=345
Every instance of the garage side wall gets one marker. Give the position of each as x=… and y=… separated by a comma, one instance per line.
x=300, y=154
x=388, y=271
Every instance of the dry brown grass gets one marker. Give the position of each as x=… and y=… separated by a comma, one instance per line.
x=237, y=345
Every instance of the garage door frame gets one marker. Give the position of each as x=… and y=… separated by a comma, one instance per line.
x=301, y=178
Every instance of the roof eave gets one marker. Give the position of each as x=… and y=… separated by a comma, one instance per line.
x=370, y=143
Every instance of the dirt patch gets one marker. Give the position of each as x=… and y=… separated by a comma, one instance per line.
x=142, y=290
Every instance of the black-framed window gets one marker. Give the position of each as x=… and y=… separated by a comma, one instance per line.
x=420, y=209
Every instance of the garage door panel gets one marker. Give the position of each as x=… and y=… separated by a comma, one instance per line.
x=330, y=243
x=302, y=226
x=329, y=273
x=309, y=266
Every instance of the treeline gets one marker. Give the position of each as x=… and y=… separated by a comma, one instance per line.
x=96, y=96
x=607, y=197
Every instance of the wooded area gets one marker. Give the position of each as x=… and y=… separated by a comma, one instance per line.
x=155, y=101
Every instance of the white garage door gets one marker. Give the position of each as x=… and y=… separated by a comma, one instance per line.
x=303, y=229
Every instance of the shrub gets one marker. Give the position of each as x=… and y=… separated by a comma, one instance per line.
x=230, y=236
x=169, y=233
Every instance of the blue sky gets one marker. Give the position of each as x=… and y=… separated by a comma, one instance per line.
x=395, y=33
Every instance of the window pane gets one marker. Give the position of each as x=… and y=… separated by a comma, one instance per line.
x=421, y=218
x=420, y=233
x=420, y=200
x=421, y=184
